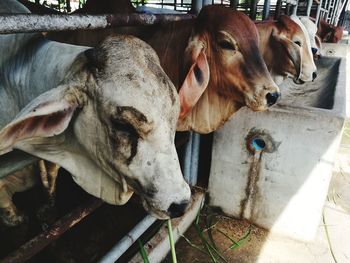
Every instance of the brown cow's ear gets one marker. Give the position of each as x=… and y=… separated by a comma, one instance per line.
x=328, y=38
x=293, y=51
x=194, y=85
x=43, y=117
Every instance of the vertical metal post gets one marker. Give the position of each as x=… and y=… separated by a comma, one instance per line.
x=234, y=3
x=326, y=8
x=340, y=17
x=191, y=159
x=308, y=8
x=68, y=6
x=278, y=9
x=266, y=10
x=195, y=158
x=335, y=12
x=187, y=159
x=318, y=12
x=295, y=8
x=287, y=11
x=197, y=6
x=207, y=2
x=253, y=9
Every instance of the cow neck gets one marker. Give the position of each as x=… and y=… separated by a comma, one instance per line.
x=33, y=67
x=265, y=32
x=210, y=112
x=170, y=43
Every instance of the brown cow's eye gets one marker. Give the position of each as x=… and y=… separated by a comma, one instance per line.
x=298, y=43
x=226, y=45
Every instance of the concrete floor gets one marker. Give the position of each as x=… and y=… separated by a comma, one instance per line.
x=264, y=247
x=331, y=243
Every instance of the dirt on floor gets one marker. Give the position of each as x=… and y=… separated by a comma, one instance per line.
x=233, y=239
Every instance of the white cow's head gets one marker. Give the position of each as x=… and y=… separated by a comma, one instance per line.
x=111, y=123
x=311, y=29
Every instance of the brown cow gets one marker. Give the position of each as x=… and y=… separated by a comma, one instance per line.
x=329, y=33
x=286, y=50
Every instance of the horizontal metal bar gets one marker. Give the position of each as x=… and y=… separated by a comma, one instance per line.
x=13, y=161
x=37, y=23
x=39, y=242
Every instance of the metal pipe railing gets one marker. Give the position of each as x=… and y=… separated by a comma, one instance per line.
x=234, y=3
x=318, y=12
x=308, y=8
x=14, y=161
x=266, y=10
x=278, y=9
x=15, y=23
x=335, y=12
x=295, y=8
x=253, y=9
x=129, y=239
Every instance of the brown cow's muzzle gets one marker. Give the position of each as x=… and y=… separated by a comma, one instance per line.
x=262, y=98
x=271, y=98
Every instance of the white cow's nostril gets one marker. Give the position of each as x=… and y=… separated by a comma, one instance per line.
x=177, y=209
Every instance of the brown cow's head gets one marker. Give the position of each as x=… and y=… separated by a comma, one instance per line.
x=238, y=74
x=287, y=51
x=329, y=33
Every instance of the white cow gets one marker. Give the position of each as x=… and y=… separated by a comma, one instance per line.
x=107, y=115
x=311, y=29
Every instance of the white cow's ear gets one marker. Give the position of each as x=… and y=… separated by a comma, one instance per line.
x=43, y=117
x=318, y=42
x=197, y=77
x=293, y=51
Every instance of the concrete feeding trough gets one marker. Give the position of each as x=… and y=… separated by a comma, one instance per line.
x=273, y=168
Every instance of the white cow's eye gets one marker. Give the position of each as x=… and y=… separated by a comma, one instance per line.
x=122, y=126
x=298, y=43
x=224, y=44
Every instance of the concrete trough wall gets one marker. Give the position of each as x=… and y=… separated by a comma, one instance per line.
x=283, y=187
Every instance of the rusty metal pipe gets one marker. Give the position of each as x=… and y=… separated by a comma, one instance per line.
x=35, y=245
x=37, y=23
